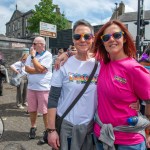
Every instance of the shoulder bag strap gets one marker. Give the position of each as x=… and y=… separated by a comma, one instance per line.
x=82, y=91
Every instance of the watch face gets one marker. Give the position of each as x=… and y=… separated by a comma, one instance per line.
x=32, y=57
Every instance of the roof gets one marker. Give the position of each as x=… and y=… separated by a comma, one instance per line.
x=132, y=16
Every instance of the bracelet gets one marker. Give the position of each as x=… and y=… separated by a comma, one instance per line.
x=50, y=130
x=147, y=131
x=68, y=54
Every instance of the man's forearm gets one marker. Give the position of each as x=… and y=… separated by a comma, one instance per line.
x=38, y=66
x=31, y=70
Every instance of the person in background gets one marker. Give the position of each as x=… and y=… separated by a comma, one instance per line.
x=39, y=69
x=66, y=84
x=2, y=75
x=19, y=68
x=119, y=84
x=60, y=51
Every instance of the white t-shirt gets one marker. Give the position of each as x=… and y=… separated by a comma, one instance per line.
x=72, y=77
x=40, y=82
x=19, y=66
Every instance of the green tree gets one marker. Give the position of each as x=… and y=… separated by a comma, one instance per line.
x=45, y=11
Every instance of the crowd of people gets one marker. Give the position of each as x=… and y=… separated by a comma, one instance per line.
x=111, y=98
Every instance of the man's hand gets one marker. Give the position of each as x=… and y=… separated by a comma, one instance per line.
x=32, y=51
x=53, y=140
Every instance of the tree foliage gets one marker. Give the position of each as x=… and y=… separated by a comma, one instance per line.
x=45, y=11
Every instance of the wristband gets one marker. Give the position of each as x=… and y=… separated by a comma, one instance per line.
x=50, y=130
x=147, y=131
x=68, y=54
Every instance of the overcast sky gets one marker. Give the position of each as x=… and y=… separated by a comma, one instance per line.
x=95, y=11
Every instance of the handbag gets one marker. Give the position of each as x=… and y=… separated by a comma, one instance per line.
x=59, y=120
x=15, y=80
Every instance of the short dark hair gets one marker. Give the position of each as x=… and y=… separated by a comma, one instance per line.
x=83, y=22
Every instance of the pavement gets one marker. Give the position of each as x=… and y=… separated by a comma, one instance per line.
x=17, y=124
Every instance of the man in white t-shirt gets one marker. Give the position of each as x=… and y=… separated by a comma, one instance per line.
x=39, y=69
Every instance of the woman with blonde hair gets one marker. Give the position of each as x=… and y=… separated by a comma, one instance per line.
x=19, y=68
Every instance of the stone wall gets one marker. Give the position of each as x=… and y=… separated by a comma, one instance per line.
x=12, y=49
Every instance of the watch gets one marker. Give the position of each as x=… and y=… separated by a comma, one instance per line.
x=32, y=57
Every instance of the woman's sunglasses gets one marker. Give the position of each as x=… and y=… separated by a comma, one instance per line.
x=86, y=36
x=116, y=35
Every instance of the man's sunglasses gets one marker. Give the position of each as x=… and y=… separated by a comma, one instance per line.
x=86, y=36
x=116, y=35
x=37, y=43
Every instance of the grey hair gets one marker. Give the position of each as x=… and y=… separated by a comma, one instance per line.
x=83, y=22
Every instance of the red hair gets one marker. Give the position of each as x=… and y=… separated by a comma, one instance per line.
x=98, y=46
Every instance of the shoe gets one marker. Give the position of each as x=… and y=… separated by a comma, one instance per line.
x=26, y=113
x=20, y=106
x=25, y=104
x=43, y=140
x=32, y=133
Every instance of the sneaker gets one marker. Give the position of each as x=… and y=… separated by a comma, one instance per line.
x=25, y=104
x=20, y=106
x=32, y=133
x=43, y=140
x=26, y=113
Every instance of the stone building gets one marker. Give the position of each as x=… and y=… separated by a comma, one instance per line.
x=17, y=26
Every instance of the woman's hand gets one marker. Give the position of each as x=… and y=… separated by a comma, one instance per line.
x=60, y=60
x=53, y=140
x=148, y=141
x=135, y=105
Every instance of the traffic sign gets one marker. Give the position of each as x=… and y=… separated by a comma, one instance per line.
x=48, y=30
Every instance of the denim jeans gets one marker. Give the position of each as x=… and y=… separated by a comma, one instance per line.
x=141, y=146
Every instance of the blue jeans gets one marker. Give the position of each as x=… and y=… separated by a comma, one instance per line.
x=141, y=146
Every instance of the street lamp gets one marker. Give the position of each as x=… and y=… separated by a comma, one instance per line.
x=116, y=10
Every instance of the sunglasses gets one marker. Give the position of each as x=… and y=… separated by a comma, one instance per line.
x=116, y=35
x=37, y=43
x=86, y=36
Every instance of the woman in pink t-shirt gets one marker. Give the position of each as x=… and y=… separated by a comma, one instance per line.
x=122, y=81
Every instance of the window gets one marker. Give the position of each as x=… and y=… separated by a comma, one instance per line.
x=18, y=24
x=26, y=22
x=13, y=27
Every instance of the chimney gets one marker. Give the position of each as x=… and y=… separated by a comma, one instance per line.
x=121, y=8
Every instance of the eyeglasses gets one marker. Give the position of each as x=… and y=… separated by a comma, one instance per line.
x=86, y=36
x=116, y=35
x=37, y=43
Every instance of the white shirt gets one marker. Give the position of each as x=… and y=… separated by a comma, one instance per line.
x=19, y=66
x=40, y=82
x=72, y=77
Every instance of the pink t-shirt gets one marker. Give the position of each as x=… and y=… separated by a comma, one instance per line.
x=121, y=83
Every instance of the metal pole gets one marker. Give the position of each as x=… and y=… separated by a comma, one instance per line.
x=138, y=37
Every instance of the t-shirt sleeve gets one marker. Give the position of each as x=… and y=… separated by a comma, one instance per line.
x=141, y=82
x=57, y=78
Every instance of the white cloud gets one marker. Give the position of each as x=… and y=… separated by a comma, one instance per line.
x=95, y=11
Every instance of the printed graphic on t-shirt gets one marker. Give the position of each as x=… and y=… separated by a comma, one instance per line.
x=120, y=79
x=81, y=78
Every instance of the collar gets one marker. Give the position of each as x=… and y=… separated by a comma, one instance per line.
x=40, y=53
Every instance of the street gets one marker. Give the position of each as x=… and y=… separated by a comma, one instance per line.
x=17, y=123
